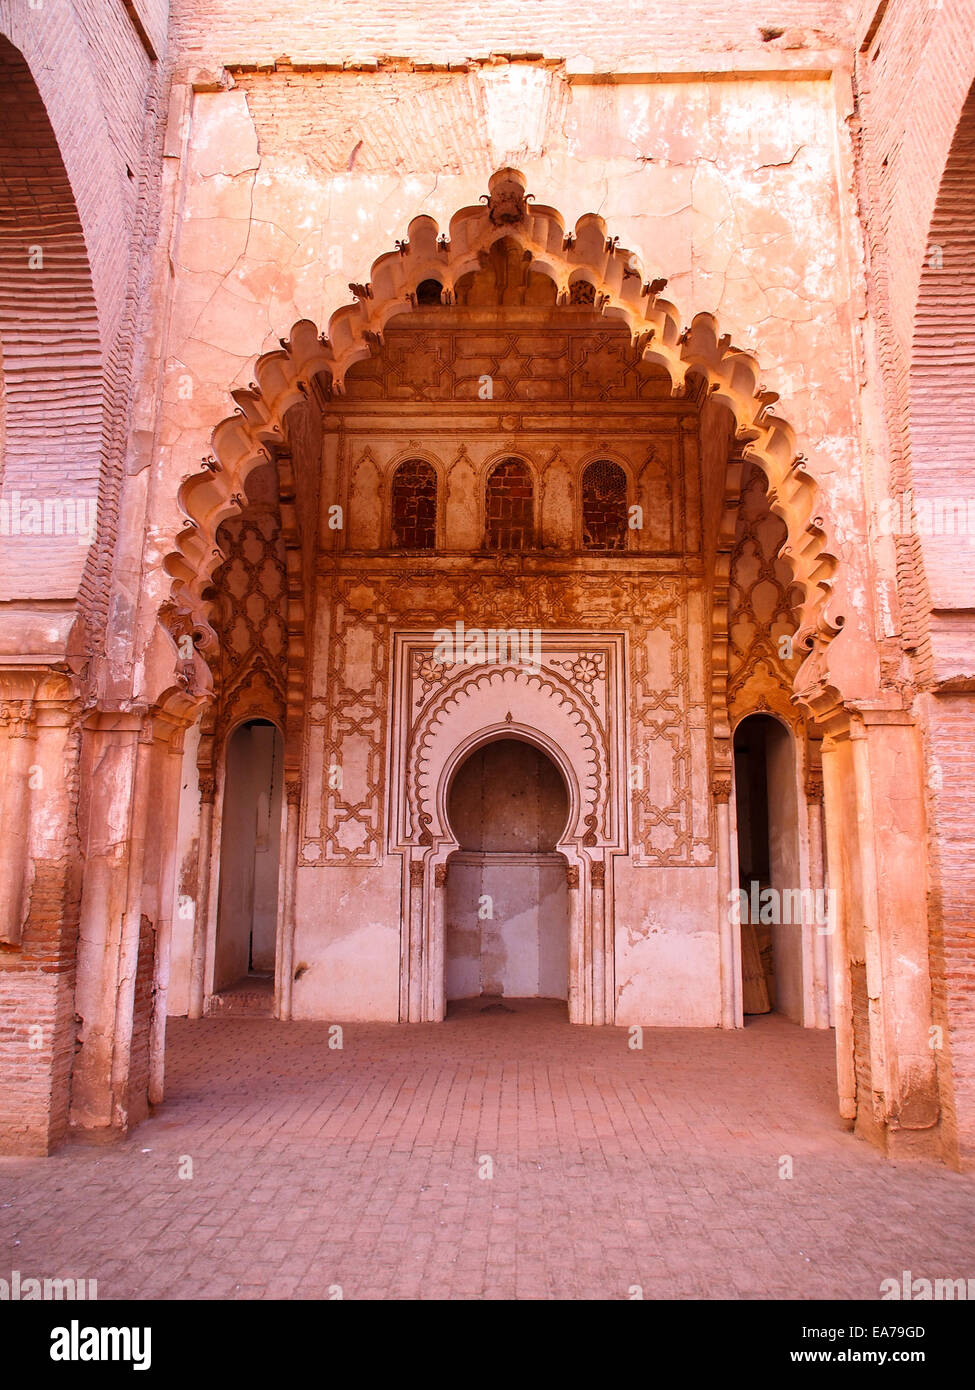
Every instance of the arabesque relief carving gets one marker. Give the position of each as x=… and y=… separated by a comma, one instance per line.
x=347, y=724
x=695, y=358
x=762, y=656
x=251, y=620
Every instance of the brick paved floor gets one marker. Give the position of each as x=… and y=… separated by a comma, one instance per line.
x=360, y=1168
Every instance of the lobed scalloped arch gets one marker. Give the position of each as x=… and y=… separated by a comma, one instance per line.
x=242, y=441
x=538, y=700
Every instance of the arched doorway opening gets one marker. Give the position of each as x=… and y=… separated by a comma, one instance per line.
x=247, y=911
x=772, y=904
x=507, y=900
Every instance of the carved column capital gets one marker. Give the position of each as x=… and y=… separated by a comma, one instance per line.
x=598, y=875
x=572, y=875
x=814, y=785
x=417, y=871
x=440, y=875
x=208, y=788
x=292, y=790
x=18, y=718
x=721, y=788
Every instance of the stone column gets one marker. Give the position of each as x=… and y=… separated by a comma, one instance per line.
x=39, y=899
x=437, y=983
x=893, y=823
x=208, y=789
x=875, y=821
x=576, y=999
x=609, y=962
x=597, y=879
x=163, y=866
x=817, y=882
x=132, y=926
x=285, y=986
x=417, y=877
x=115, y=762
x=585, y=977
x=869, y=886
x=838, y=814
x=721, y=791
x=17, y=716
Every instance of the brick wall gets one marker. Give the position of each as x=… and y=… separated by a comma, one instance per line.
x=943, y=467
x=942, y=385
x=509, y=507
x=912, y=77
x=914, y=72
x=226, y=31
x=137, y=1098
x=93, y=76
x=414, y=506
x=37, y=1027
x=950, y=724
x=52, y=367
x=78, y=174
x=860, y=1009
x=604, y=516
x=913, y=80
x=102, y=93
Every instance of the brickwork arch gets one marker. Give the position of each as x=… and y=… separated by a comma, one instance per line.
x=932, y=517
x=936, y=505
x=51, y=406
x=903, y=141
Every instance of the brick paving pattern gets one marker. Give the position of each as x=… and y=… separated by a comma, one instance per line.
x=315, y=1167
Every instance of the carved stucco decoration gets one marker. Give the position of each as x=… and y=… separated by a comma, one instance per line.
x=760, y=611
x=347, y=729
x=536, y=704
x=576, y=363
x=251, y=620
x=690, y=356
x=197, y=649
x=507, y=202
x=18, y=718
x=660, y=486
x=586, y=670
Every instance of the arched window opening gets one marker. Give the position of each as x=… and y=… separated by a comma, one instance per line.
x=509, y=507
x=582, y=292
x=429, y=292
x=604, y=506
x=414, y=506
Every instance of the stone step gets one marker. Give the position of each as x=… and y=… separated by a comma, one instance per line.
x=247, y=1000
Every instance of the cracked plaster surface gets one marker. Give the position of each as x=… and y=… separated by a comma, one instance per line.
x=728, y=190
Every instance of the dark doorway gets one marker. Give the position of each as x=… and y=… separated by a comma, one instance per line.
x=249, y=856
x=768, y=867
x=507, y=900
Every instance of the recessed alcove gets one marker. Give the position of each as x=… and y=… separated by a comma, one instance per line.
x=507, y=908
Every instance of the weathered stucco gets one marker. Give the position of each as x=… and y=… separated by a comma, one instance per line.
x=649, y=313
